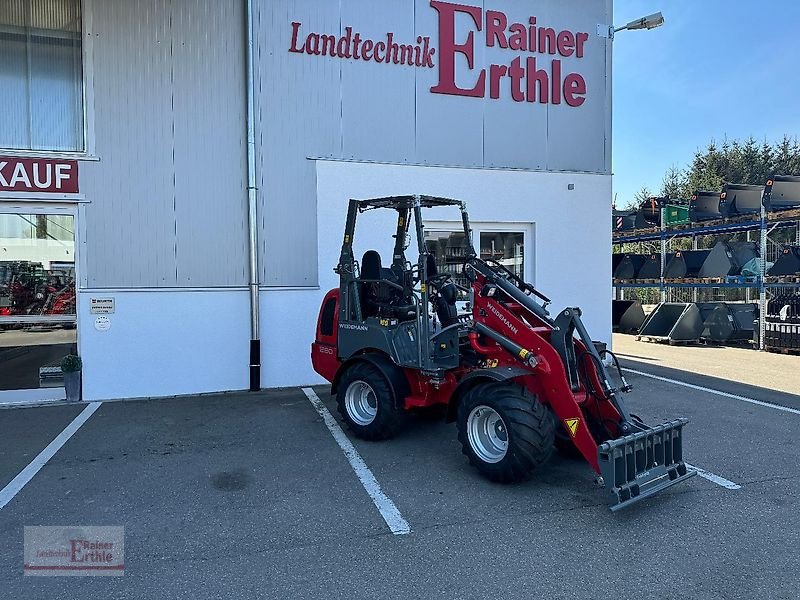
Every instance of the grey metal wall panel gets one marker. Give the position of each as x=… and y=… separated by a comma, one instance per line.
x=210, y=142
x=299, y=116
x=515, y=133
x=449, y=129
x=378, y=100
x=131, y=220
x=168, y=197
x=577, y=137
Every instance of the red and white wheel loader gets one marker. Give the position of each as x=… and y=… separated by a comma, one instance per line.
x=516, y=380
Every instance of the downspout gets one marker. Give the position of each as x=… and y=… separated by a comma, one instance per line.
x=252, y=207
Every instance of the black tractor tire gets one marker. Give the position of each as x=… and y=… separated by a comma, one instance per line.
x=375, y=418
x=525, y=423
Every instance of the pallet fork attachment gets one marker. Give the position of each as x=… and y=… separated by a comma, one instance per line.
x=642, y=464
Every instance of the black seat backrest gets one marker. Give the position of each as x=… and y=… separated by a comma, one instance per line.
x=371, y=265
x=446, y=308
x=371, y=269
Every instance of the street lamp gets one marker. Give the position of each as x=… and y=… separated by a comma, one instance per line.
x=648, y=22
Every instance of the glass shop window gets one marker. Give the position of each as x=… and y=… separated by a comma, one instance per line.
x=37, y=299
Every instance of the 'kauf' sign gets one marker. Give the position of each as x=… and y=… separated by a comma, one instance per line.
x=42, y=175
x=533, y=73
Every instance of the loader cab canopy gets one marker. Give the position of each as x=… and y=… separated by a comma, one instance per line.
x=396, y=286
x=408, y=202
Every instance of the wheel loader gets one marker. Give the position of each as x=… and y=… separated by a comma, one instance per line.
x=517, y=380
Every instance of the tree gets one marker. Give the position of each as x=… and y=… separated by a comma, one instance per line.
x=642, y=195
x=733, y=161
x=675, y=184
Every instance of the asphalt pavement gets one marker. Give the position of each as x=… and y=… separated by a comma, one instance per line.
x=245, y=495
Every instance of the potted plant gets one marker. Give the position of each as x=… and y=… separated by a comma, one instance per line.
x=71, y=367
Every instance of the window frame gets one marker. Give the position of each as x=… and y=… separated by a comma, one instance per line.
x=479, y=227
x=87, y=91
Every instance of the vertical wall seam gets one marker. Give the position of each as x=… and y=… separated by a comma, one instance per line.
x=172, y=119
x=341, y=105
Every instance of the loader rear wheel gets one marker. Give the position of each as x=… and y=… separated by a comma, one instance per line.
x=505, y=431
x=366, y=403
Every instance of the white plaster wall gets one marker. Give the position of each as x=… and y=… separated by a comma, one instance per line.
x=571, y=236
x=164, y=343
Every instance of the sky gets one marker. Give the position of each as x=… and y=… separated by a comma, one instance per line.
x=714, y=69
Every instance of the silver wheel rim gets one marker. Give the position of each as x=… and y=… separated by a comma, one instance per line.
x=487, y=433
x=361, y=403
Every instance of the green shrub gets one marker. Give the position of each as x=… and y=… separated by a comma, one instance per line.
x=71, y=364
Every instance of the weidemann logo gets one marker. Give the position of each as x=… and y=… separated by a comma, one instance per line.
x=535, y=74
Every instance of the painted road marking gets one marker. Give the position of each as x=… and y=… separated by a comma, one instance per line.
x=385, y=506
x=714, y=478
x=717, y=392
x=21, y=480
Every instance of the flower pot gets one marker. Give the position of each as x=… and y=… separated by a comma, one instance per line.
x=72, y=384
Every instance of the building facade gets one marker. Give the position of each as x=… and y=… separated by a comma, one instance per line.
x=124, y=224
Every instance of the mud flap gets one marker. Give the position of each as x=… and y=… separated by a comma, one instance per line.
x=639, y=465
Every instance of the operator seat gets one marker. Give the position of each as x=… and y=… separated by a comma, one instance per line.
x=447, y=295
x=379, y=298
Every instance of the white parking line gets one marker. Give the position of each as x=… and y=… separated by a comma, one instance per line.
x=714, y=478
x=387, y=508
x=21, y=480
x=716, y=392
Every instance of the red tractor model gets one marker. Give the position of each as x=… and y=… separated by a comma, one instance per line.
x=517, y=381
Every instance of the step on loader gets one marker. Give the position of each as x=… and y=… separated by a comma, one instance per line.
x=517, y=380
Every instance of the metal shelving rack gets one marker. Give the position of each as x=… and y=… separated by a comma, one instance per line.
x=764, y=225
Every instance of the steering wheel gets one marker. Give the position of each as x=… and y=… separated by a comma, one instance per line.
x=439, y=280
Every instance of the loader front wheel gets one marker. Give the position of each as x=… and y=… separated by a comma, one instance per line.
x=365, y=401
x=505, y=431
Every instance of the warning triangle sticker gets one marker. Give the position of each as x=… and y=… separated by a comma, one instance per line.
x=572, y=426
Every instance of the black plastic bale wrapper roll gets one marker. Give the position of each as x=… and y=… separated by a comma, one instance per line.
x=788, y=262
x=673, y=322
x=738, y=199
x=640, y=465
x=627, y=316
x=704, y=206
x=629, y=266
x=685, y=263
x=728, y=258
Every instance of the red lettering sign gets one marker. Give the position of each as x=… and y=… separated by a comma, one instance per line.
x=41, y=175
x=534, y=71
